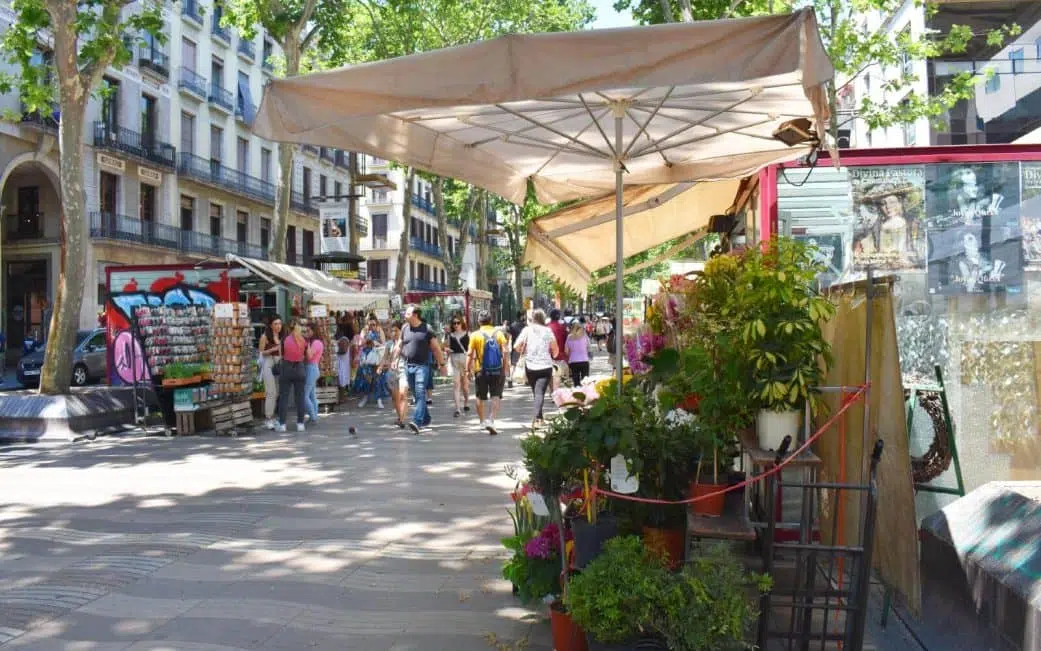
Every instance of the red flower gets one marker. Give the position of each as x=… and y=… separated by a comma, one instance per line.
x=690, y=403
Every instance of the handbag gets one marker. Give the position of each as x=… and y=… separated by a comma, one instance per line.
x=520, y=374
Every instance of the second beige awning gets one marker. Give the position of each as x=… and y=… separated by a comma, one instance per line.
x=572, y=243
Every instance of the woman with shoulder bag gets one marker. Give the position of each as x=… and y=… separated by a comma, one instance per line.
x=292, y=376
x=270, y=347
x=539, y=347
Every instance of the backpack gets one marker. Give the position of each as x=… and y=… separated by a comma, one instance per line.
x=491, y=359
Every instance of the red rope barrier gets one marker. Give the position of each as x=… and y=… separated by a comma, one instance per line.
x=847, y=402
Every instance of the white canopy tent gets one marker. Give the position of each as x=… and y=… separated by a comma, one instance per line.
x=572, y=243
x=576, y=114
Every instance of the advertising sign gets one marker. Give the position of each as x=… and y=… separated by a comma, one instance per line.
x=335, y=234
x=1030, y=215
x=888, y=229
x=632, y=315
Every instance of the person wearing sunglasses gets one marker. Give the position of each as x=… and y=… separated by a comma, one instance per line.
x=458, y=341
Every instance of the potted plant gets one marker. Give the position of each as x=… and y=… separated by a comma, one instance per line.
x=615, y=598
x=710, y=605
x=781, y=338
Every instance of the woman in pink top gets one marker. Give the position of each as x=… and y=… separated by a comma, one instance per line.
x=315, y=349
x=292, y=375
x=577, y=349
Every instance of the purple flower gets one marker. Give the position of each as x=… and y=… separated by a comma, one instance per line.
x=537, y=547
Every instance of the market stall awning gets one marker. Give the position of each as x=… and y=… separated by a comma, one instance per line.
x=311, y=281
x=353, y=301
x=673, y=103
x=572, y=243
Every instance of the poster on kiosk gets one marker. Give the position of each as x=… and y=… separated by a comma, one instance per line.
x=335, y=233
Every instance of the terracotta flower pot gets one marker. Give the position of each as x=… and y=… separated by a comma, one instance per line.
x=567, y=635
x=667, y=542
x=711, y=506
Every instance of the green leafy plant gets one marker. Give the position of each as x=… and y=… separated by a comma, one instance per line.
x=616, y=596
x=709, y=605
x=180, y=371
x=781, y=338
x=535, y=578
x=553, y=459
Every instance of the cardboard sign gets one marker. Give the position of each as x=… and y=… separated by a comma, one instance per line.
x=621, y=480
x=319, y=310
x=224, y=310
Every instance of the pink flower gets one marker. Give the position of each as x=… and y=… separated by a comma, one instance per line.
x=538, y=547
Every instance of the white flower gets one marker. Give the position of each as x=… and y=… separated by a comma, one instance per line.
x=679, y=417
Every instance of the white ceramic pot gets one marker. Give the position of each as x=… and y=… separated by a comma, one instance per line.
x=773, y=426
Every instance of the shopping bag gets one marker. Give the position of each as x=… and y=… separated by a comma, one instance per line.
x=520, y=376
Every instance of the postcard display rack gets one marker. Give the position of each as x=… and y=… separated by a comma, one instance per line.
x=234, y=367
x=174, y=337
x=322, y=325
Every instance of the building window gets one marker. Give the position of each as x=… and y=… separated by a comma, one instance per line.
x=379, y=225
x=291, y=245
x=242, y=226
x=216, y=143
x=149, y=120
x=265, y=233
x=308, y=247
x=993, y=84
x=187, y=213
x=217, y=72
x=322, y=185
x=245, y=99
x=1016, y=56
x=147, y=203
x=337, y=189
x=109, y=191
x=378, y=270
x=188, y=54
x=411, y=269
x=187, y=133
x=110, y=104
x=379, y=196
x=413, y=228
x=216, y=217
x=268, y=52
x=265, y=165
x=242, y=155
x=307, y=185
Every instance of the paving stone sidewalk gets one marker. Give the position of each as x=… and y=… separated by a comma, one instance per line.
x=315, y=541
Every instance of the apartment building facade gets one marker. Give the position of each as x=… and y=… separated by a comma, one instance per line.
x=1007, y=104
x=384, y=209
x=172, y=171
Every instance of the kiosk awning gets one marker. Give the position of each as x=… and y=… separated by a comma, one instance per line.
x=311, y=281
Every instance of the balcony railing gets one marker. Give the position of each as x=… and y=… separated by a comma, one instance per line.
x=23, y=227
x=122, y=228
x=297, y=201
x=421, y=202
x=327, y=153
x=311, y=149
x=221, y=97
x=45, y=121
x=220, y=32
x=424, y=247
x=193, y=82
x=215, y=173
x=418, y=285
x=191, y=9
x=150, y=57
x=247, y=49
x=132, y=143
x=361, y=224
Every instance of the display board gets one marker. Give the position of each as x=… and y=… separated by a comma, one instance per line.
x=335, y=231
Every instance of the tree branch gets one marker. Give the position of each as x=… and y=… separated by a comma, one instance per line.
x=305, y=16
x=666, y=8
x=733, y=7
x=686, y=12
x=305, y=44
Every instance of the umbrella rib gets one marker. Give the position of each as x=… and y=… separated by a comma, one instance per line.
x=736, y=90
x=449, y=116
x=466, y=121
x=643, y=127
x=596, y=122
x=659, y=148
x=664, y=158
x=657, y=145
x=595, y=151
x=536, y=143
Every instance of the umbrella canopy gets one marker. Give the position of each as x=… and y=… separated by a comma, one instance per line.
x=571, y=243
x=673, y=103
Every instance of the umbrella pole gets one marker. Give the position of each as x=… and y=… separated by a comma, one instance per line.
x=619, y=276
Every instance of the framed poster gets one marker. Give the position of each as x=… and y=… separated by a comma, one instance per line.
x=1030, y=214
x=335, y=233
x=888, y=228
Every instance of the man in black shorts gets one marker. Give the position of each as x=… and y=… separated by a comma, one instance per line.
x=488, y=359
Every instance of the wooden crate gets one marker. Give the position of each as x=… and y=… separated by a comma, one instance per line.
x=328, y=396
x=185, y=423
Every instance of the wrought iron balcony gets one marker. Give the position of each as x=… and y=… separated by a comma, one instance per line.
x=247, y=48
x=327, y=153
x=44, y=121
x=421, y=202
x=131, y=143
x=419, y=285
x=220, y=32
x=361, y=224
x=109, y=226
x=150, y=57
x=300, y=203
x=193, y=82
x=192, y=10
x=428, y=248
x=216, y=174
x=221, y=98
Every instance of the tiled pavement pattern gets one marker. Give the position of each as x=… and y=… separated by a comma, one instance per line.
x=314, y=541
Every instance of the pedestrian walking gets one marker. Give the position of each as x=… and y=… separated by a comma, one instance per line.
x=600, y=332
x=395, y=376
x=270, y=347
x=516, y=328
x=292, y=376
x=458, y=342
x=577, y=350
x=418, y=346
x=312, y=357
x=369, y=383
x=505, y=330
x=559, y=330
x=487, y=361
x=539, y=347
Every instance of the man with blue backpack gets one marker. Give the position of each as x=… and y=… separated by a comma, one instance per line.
x=487, y=358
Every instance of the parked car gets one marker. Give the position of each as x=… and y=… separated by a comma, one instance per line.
x=88, y=360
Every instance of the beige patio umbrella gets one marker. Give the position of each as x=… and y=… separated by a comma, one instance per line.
x=577, y=114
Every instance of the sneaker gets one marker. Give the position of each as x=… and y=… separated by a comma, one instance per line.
x=491, y=428
x=280, y=428
x=379, y=403
x=299, y=427
x=413, y=428
x=270, y=424
x=430, y=401
x=400, y=424
x=364, y=401
x=352, y=430
x=456, y=414
x=466, y=408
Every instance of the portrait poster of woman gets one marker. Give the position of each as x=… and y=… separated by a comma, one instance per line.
x=888, y=211
x=1030, y=215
